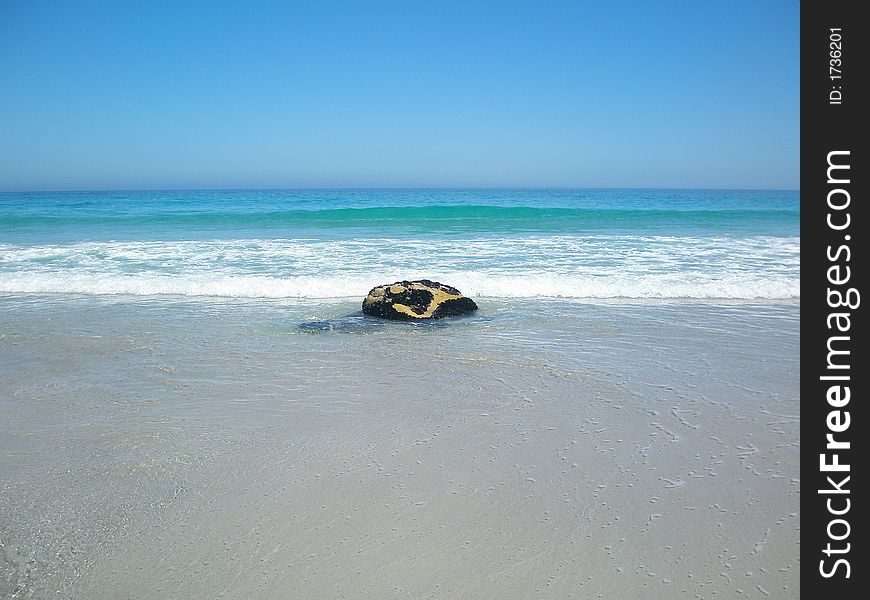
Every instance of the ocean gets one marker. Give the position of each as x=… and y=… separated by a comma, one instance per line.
x=322, y=244
x=192, y=405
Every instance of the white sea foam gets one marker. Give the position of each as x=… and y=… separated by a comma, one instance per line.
x=519, y=285
x=556, y=266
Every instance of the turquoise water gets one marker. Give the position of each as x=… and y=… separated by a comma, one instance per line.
x=323, y=244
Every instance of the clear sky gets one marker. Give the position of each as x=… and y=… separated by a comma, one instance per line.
x=185, y=94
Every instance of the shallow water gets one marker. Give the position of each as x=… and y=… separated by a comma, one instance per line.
x=175, y=448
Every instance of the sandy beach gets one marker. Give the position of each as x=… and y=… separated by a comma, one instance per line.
x=176, y=449
x=585, y=219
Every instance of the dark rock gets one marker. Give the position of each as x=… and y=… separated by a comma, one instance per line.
x=416, y=300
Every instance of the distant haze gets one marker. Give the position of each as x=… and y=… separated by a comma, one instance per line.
x=124, y=95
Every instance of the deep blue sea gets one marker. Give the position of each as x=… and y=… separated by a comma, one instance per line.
x=320, y=244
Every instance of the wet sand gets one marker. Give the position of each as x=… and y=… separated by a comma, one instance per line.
x=182, y=449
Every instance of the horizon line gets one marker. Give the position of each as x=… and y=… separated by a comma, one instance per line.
x=398, y=188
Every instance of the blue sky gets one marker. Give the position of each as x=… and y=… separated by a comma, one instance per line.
x=126, y=95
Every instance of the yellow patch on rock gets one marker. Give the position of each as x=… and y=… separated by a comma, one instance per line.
x=374, y=296
x=407, y=310
x=438, y=296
